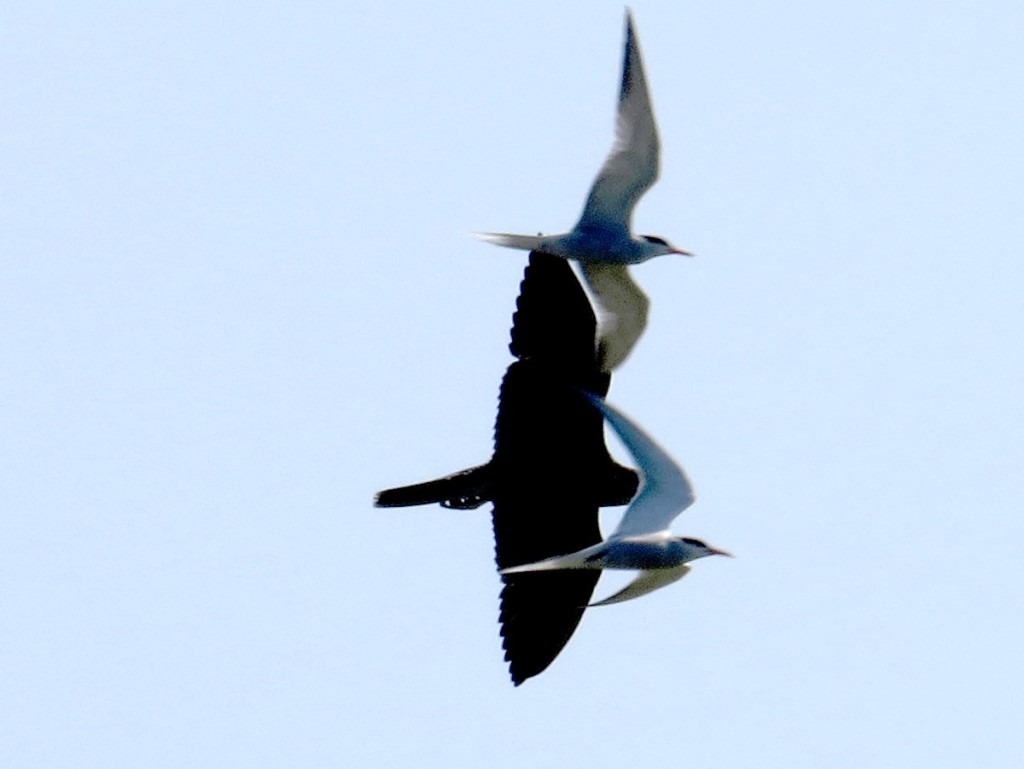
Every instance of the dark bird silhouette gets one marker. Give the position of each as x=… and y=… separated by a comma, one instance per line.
x=550, y=471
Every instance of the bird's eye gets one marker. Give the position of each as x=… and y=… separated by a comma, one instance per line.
x=693, y=542
x=654, y=239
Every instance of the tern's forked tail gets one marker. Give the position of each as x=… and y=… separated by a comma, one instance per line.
x=524, y=242
x=588, y=558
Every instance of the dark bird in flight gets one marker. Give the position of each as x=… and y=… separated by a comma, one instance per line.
x=550, y=471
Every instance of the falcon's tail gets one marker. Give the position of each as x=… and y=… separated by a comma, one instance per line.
x=464, y=490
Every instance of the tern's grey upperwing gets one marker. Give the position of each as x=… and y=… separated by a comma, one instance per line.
x=631, y=167
x=665, y=490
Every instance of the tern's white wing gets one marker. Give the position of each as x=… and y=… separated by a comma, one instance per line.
x=632, y=165
x=646, y=582
x=621, y=310
x=665, y=491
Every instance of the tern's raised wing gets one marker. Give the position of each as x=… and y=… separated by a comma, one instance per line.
x=665, y=491
x=621, y=307
x=632, y=165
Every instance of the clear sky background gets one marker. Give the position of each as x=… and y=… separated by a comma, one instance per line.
x=238, y=296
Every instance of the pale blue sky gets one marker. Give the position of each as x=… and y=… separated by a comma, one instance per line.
x=238, y=296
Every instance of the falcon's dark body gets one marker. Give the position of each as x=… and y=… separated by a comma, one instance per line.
x=550, y=471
